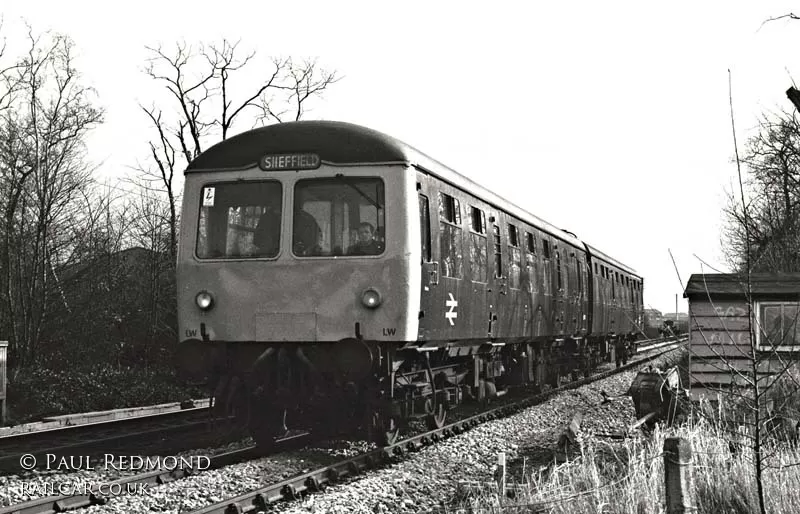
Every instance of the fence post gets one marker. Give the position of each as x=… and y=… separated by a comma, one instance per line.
x=678, y=476
x=3, y=375
x=500, y=474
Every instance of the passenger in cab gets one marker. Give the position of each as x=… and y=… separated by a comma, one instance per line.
x=307, y=235
x=366, y=243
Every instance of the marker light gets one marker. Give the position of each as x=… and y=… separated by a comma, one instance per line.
x=204, y=300
x=371, y=298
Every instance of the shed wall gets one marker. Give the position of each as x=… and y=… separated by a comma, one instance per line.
x=719, y=340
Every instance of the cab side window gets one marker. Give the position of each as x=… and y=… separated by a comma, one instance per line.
x=425, y=228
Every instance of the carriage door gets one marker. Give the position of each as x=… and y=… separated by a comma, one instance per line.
x=430, y=267
x=498, y=299
x=583, y=285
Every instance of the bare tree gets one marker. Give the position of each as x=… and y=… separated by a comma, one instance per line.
x=207, y=101
x=43, y=126
x=768, y=224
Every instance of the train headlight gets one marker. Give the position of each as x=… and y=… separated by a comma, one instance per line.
x=204, y=300
x=371, y=298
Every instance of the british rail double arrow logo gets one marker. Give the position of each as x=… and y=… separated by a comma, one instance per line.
x=453, y=304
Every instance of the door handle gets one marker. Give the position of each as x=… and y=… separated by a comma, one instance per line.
x=434, y=272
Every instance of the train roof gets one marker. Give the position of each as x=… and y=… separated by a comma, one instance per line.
x=345, y=143
x=597, y=253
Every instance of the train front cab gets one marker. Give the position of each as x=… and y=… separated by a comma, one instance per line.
x=278, y=301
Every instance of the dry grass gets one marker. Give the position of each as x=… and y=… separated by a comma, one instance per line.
x=628, y=477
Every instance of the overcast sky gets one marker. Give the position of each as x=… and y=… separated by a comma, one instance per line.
x=609, y=119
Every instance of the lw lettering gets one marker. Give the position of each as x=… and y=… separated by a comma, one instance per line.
x=389, y=331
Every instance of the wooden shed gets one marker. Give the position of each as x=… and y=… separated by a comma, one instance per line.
x=721, y=321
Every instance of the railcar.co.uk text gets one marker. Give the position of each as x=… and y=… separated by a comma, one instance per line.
x=39, y=489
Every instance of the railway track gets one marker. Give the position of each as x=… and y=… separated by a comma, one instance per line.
x=654, y=344
x=314, y=481
x=318, y=479
x=106, y=436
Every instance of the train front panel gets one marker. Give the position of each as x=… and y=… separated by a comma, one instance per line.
x=313, y=258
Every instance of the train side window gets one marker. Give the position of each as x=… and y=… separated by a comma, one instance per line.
x=595, y=268
x=613, y=289
x=558, y=270
x=450, y=242
x=531, y=242
x=514, y=257
x=478, y=262
x=477, y=220
x=513, y=239
x=425, y=227
x=449, y=209
x=545, y=248
x=530, y=263
x=498, y=252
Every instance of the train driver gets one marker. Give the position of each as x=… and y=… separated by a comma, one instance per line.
x=366, y=243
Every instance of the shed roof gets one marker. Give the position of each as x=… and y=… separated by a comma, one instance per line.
x=734, y=284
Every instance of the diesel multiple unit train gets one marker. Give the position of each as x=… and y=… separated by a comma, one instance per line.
x=332, y=276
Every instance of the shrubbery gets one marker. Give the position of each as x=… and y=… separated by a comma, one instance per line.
x=38, y=392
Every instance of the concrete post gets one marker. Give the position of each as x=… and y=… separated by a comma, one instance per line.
x=678, y=476
x=500, y=474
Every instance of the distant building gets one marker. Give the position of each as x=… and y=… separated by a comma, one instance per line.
x=653, y=321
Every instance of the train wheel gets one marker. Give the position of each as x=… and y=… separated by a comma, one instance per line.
x=436, y=414
x=383, y=430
